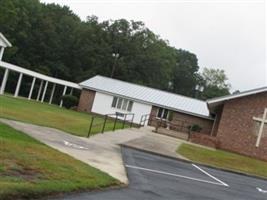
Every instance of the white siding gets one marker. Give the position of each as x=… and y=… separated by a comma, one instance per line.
x=102, y=105
x=139, y=110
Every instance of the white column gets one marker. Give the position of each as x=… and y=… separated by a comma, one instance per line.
x=52, y=93
x=32, y=86
x=18, y=85
x=1, y=52
x=39, y=91
x=71, y=91
x=64, y=92
x=43, y=96
x=3, y=85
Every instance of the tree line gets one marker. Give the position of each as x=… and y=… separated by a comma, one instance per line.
x=51, y=39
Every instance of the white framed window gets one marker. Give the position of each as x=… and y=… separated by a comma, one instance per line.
x=124, y=105
x=114, y=102
x=121, y=103
x=163, y=113
x=130, y=106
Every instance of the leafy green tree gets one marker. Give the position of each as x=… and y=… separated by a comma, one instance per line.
x=144, y=58
x=184, y=74
x=215, y=83
x=51, y=39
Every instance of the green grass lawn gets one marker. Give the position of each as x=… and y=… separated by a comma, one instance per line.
x=73, y=122
x=31, y=169
x=223, y=159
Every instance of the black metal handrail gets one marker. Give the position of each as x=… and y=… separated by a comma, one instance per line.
x=183, y=125
x=111, y=117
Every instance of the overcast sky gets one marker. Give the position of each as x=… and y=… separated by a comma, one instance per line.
x=225, y=34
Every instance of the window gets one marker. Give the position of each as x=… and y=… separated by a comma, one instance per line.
x=162, y=113
x=130, y=106
x=114, y=102
x=123, y=104
x=160, y=110
x=119, y=103
x=165, y=114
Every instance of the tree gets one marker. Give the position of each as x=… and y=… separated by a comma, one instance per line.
x=144, y=58
x=214, y=82
x=184, y=73
x=51, y=39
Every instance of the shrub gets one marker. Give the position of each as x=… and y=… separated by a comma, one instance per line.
x=69, y=101
x=195, y=128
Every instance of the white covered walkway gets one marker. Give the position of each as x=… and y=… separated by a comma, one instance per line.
x=45, y=80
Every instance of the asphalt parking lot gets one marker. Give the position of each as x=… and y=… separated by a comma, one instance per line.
x=154, y=177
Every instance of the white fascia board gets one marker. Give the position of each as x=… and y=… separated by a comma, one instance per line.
x=38, y=75
x=242, y=94
x=145, y=102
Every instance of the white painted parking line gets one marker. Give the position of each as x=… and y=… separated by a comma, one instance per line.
x=223, y=183
x=261, y=190
x=175, y=175
x=74, y=145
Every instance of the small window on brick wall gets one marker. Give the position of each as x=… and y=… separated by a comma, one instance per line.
x=162, y=113
x=121, y=103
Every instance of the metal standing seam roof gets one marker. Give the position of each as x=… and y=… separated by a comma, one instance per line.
x=147, y=95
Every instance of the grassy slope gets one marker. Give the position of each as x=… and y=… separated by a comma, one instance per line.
x=44, y=114
x=224, y=160
x=31, y=169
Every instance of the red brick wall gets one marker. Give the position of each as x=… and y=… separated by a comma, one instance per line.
x=86, y=100
x=237, y=131
x=184, y=120
x=206, y=140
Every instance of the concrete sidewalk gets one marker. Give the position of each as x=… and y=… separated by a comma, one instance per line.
x=101, y=151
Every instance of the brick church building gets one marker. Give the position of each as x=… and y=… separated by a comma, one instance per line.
x=235, y=123
x=240, y=124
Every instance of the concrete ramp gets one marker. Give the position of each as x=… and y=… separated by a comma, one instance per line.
x=155, y=143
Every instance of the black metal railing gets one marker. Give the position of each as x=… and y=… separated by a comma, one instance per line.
x=184, y=126
x=110, y=119
x=179, y=125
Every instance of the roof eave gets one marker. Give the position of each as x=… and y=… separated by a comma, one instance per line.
x=221, y=100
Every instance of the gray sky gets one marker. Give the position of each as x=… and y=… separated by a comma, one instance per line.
x=225, y=34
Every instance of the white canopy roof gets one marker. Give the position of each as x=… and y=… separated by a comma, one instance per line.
x=3, y=41
x=147, y=95
x=38, y=75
